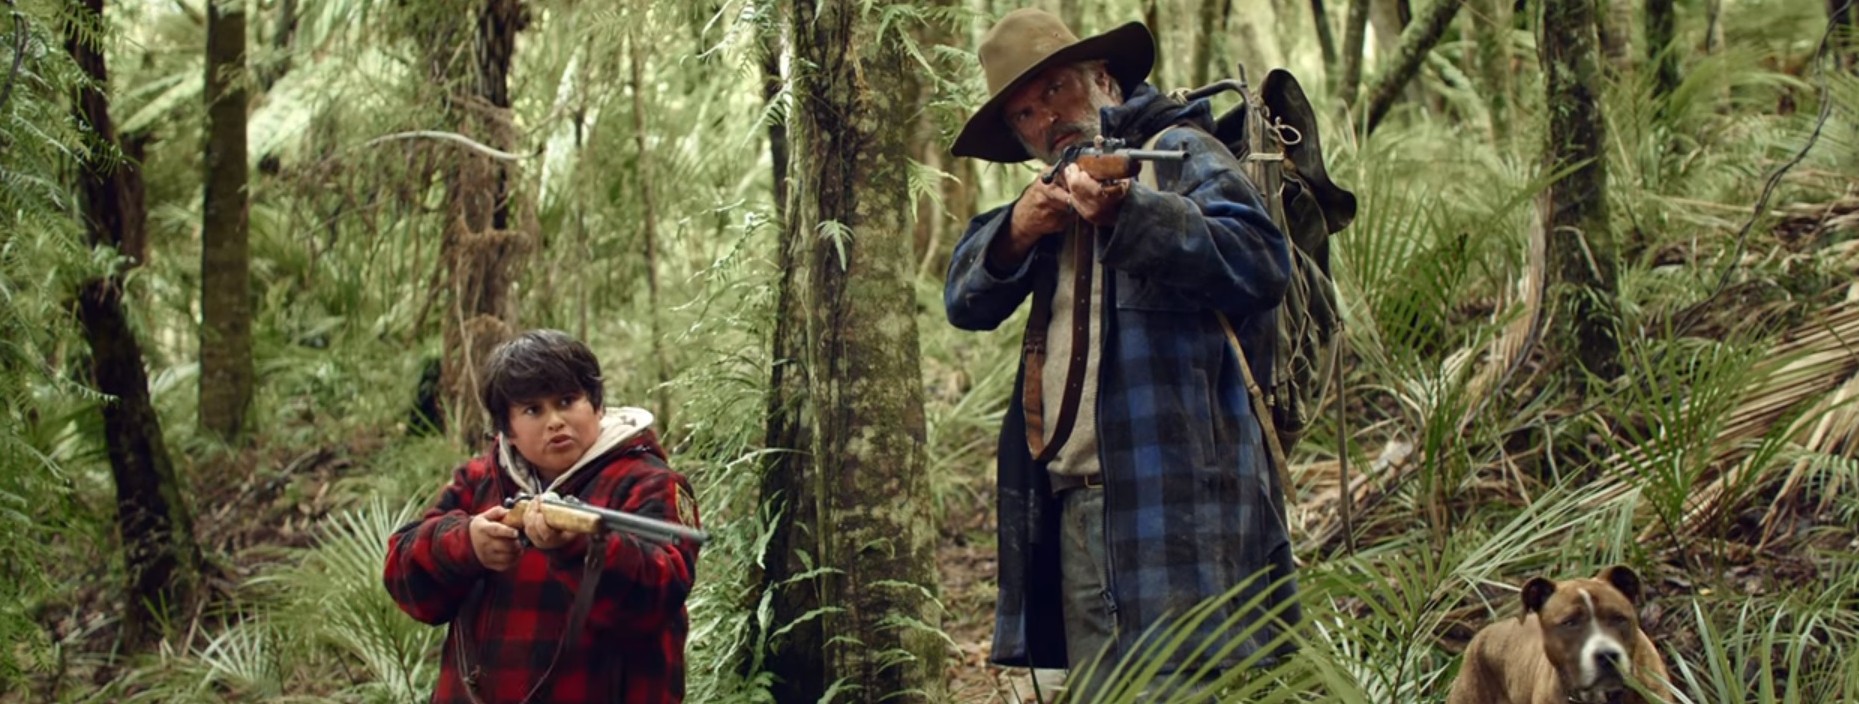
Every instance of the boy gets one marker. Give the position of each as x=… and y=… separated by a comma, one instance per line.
x=540, y=615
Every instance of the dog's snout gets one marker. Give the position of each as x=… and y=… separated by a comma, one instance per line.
x=1609, y=660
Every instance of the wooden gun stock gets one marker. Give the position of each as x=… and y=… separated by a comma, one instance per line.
x=576, y=517
x=1116, y=164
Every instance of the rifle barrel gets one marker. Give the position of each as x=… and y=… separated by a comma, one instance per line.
x=642, y=526
x=578, y=517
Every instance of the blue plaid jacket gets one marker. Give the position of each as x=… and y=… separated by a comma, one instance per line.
x=1189, y=495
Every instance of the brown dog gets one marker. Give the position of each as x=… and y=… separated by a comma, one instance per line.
x=1578, y=641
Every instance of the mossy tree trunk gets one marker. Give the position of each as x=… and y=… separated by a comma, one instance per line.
x=160, y=557
x=787, y=469
x=851, y=214
x=1582, y=249
x=225, y=249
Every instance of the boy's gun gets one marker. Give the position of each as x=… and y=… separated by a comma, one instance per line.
x=1108, y=159
x=572, y=515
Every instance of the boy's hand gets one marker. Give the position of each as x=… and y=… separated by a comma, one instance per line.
x=494, y=542
x=539, y=532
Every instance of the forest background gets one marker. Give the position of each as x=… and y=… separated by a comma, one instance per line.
x=1597, y=300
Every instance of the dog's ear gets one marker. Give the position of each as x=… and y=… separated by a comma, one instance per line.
x=1536, y=592
x=1624, y=579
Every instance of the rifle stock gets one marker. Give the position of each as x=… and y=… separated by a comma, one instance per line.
x=1112, y=161
x=576, y=517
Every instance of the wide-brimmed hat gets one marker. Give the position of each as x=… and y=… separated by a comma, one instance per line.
x=1024, y=44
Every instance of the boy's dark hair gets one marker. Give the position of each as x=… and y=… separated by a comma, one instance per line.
x=534, y=365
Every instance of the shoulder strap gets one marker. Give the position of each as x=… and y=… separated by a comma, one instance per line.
x=1260, y=405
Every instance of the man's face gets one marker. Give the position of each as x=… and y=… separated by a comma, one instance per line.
x=554, y=431
x=1058, y=108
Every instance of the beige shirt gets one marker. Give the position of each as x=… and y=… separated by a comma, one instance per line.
x=1078, y=457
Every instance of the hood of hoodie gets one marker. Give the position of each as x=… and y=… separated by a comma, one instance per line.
x=1146, y=111
x=617, y=425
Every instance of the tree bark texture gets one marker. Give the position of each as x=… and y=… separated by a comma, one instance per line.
x=851, y=211
x=159, y=554
x=787, y=470
x=225, y=248
x=1355, y=36
x=1418, y=39
x=1581, y=244
x=485, y=242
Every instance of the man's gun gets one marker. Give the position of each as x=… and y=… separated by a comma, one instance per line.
x=1108, y=160
x=574, y=516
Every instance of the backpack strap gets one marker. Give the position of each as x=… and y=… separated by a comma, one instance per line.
x=1260, y=404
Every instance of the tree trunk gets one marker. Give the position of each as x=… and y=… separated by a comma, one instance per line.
x=1152, y=16
x=1660, y=30
x=1492, y=20
x=1614, y=26
x=648, y=230
x=159, y=553
x=1844, y=15
x=282, y=36
x=865, y=389
x=484, y=243
x=1416, y=42
x=787, y=474
x=225, y=249
x=1581, y=244
x=1355, y=35
x=1208, y=21
x=1326, y=39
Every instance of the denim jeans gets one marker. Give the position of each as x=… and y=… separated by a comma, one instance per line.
x=1090, y=627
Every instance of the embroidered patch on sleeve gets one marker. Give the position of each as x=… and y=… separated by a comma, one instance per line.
x=686, y=507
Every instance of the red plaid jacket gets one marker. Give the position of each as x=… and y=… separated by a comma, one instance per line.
x=631, y=648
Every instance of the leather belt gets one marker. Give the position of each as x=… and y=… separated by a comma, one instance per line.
x=1062, y=483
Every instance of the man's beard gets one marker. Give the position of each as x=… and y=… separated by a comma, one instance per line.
x=1086, y=131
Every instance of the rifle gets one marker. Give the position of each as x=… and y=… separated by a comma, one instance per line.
x=1109, y=159
x=572, y=515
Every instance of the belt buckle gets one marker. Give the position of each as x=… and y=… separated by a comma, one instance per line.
x=1094, y=481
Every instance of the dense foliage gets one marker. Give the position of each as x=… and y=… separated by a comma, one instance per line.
x=1720, y=464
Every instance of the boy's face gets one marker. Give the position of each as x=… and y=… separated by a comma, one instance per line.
x=554, y=431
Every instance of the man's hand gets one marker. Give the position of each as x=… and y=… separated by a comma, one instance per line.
x=1096, y=201
x=1043, y=209
x=494, y=542
x=539, y=532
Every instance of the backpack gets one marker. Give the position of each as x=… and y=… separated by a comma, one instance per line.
x=1274, y=132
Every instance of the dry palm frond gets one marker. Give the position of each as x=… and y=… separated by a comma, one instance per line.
x=1318, y=517
x=1504, y=354
x=1791, y=385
